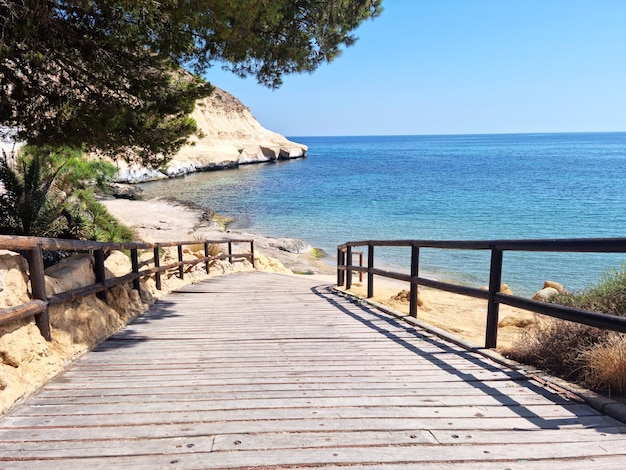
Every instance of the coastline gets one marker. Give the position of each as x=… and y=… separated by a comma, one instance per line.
x=163, y=219
x=166, y=219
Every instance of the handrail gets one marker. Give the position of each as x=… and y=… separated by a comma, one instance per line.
x=33, y=248
x=493, y=295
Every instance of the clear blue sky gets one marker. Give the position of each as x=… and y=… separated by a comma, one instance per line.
x=460, y=67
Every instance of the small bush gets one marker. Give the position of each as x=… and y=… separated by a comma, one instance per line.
x=556, y=346
x=605, y=365
x=590, y=356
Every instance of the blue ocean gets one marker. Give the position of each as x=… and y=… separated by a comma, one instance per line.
x=455, y=187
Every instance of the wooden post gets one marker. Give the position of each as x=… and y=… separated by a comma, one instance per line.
x=157, y=263
x=206, y=255
x=370, y=275
x=101, y=277
x=252, y=252
x=360, y=265
x=413, y=293
x=348, y=267
x=230, y=252
x=134, y=259
x=493, y=307
x=340, y=272
x=38, y=287
x=181, y=268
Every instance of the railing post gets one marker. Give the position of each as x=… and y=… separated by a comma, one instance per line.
x=493, y=307
x=341, y=275
x=348, y=267
x=157, y=264
x=252, y=252
x=413, y=291
x=134, y=259
x=360, y=265
x=38, y=287
x=181, y=268
x=230, y=252
x=206, y=255
x=370, y=275
x=101, y=277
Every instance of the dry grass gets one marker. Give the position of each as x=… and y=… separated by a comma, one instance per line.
x=557, y=346
x=589, y=356
x=605, y=365
x=215, y=249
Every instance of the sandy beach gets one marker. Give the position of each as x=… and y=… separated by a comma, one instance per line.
x=165, y=220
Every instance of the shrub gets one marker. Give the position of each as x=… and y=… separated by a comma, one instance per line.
x=30, y=204
x=556, y=346
x=590, y=356
x=49, y=192
x=607, y=296
x=605, y=365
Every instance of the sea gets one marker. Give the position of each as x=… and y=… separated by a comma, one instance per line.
x=439, y=187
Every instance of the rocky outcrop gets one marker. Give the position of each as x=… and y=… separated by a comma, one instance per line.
x=550, y=289
x=229, y=136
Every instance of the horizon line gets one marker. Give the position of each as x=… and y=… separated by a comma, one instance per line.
x=459, y=134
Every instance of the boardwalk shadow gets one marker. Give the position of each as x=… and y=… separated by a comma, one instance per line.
x=384, y=324
x=135, y=331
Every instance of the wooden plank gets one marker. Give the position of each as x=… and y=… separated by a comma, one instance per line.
x=296, y=377
x=373, y=455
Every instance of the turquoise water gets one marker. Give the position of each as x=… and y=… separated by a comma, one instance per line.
x=436, y=187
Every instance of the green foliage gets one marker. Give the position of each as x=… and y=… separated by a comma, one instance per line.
x=50, y=193
x=607, y=296
x=107, y=75
x=29, y=204
x=89, y=219
x=77, y=172
x=318, y=253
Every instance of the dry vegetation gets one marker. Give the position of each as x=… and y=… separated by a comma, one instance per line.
x=590, y=356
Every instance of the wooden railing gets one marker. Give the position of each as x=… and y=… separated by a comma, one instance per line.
x=33, y=248
x=493, y=295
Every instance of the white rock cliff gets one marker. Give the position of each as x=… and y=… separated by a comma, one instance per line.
x=229, y=136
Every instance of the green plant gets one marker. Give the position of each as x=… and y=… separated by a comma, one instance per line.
x=50, y=193
x=606, y=296
x=89, y=219
x=318, y=253
x=30, y=204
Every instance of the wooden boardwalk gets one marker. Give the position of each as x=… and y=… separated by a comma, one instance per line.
x=268, y=371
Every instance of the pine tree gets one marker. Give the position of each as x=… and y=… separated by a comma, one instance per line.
x=109, y=74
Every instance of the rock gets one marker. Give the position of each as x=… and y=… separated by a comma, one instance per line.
x=135, y=173
x=404, y=297
x=555, y=285
x=523, y=320
x=291, y=245
x=124, y=191
x=118, y=264
x=266, y=263
x=229, y=136
x=71, y=273
x=504, y=289
x=545, y=294
x=13, y=279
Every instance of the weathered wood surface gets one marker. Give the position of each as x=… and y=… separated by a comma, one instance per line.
x=270, y=371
